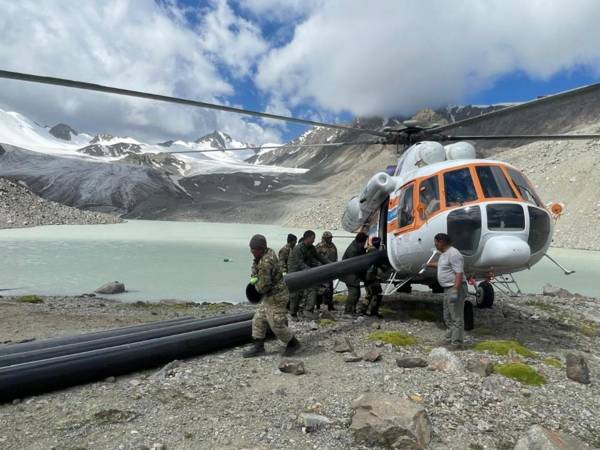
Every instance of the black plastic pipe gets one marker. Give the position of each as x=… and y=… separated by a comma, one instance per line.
x=301, y=280
x=54, y=342
x=112, y=341
x=35, y=377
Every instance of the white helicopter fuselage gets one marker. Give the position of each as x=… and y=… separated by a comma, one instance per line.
x=488, y=208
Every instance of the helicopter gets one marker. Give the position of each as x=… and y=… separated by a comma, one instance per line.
x=489, y=208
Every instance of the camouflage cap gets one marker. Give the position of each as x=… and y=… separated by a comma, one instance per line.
x=327, y=235
x=258, y=241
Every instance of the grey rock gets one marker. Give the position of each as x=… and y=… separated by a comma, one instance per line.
x=540, y=438
x=62, y=131
x=577, y=369
x=411, y=362
x=158, y=446
x=483, y=367
x=313, y=422
x=167, y=370
x=554, y=291
x=292, y=366
x=390, y=421
x=372, y=355
x=353, y=357
x=441, y=359
x=111, y=288
x=313, y=325
x=498, y=384
x=342, y=346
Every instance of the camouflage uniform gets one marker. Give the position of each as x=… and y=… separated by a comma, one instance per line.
x=353, y=280
x=325, y=291
x=284, y=256
x=304, y=257
x=271, y=311
x=372, y=301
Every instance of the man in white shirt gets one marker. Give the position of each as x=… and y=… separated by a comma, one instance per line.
x=450, y=274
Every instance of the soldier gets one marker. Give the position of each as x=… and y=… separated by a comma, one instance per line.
x=370, y=304
x=327, y=249
x=304, y=256
x=271, y=312
x=356, y=248
x=286, y=250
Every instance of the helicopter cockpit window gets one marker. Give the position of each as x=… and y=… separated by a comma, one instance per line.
x=464, y=228
x=405, y=207
x=429, y=195
x=459, y=187
x=509, y=217
x=524, y=187
x=493, y=182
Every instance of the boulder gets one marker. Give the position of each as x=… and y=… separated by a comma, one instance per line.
x=554, y=291
x=577, y=369
x=540, y=438
x=372, y=355
x=313, y=422
x=482, y=366
x=390, y=421
x=111, y=288
x=292, y=366
x=342, y=346
x=411, y=362
x=441, y=359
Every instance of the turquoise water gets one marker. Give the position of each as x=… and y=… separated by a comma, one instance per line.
x=184, y=260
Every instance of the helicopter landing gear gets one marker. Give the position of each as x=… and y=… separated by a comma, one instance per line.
x=484, y=295
x=469, y=320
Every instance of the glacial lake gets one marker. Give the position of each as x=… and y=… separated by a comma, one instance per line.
x=191, y=261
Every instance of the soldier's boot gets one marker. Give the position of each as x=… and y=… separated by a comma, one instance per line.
x=292, y=347
x=257, y=349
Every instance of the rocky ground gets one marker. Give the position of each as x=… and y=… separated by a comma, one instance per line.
x=19, y=207
x=222, y=401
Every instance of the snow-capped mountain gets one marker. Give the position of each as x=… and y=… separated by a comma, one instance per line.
x=62, y=140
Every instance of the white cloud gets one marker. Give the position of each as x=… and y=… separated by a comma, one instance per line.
x=130, y=44
x=279, y=10
x=231, y=39
x=388, y=57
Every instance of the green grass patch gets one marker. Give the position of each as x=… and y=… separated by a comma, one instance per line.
x=30, y=299
x=340, y=298
x=553, y=362
x=588, y=329
x=325, y=322
x=521, y=372
x=395, y=338
x=483, y=331
x=503, y=347
x=389, y=313
x=424, y=315
x=544, y=306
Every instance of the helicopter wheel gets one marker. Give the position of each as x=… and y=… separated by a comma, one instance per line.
x=484, y=296
x=469, y=320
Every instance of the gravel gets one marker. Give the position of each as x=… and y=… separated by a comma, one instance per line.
x=224, y=401
x=19, y=208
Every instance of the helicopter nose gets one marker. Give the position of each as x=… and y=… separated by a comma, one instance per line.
x=504, y=251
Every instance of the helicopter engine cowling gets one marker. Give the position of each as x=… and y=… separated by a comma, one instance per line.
x=360, y=208
x=460, y=150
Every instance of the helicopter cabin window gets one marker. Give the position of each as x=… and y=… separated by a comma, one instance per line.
x=493, y=182
x=429, y=196
x=459, y=187
x=509, y=217
x=524, y=187
x=405, y=207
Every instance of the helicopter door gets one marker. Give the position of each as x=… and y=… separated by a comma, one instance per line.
x=404, y=243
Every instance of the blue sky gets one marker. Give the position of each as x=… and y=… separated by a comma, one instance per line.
x=326, y=60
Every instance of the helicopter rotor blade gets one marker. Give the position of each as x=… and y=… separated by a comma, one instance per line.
x=519, y=107
x=526, y=137
x=182, y=101
x=277, y=147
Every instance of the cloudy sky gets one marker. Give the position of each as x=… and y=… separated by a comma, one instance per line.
x=326, y=60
